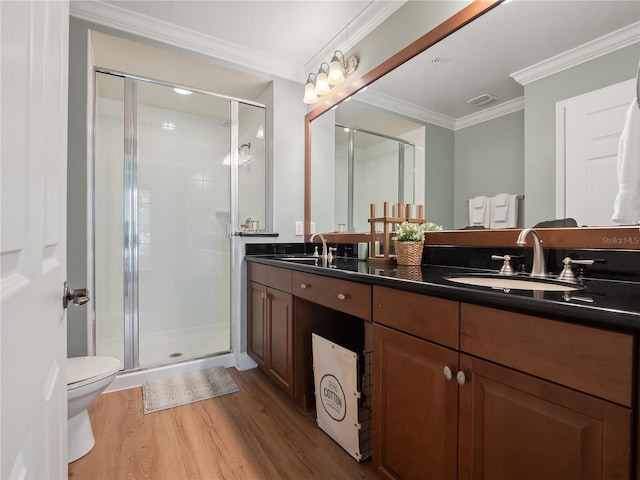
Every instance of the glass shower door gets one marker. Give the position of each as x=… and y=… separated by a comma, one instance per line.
x=182, y=195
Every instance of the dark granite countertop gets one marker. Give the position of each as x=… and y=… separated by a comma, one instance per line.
x=603, y=303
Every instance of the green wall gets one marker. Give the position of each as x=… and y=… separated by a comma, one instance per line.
x=439, y=171
x=539, y=122
x=489, y=159
x=77, y=185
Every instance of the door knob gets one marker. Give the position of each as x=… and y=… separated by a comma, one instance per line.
x=79, y=296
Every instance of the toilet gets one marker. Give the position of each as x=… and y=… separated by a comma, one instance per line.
x=87, y=377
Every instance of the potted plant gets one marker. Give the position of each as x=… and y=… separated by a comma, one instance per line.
x=409, y=241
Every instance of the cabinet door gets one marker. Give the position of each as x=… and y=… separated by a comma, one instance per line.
x=256, y=323
x=415, y=407
x=515, y=426
x=280, y=339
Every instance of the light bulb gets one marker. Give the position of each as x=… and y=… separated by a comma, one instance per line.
x=310, y=95
x=322, y=83
x=336, y=77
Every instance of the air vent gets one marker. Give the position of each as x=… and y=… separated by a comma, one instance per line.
x=481, y=100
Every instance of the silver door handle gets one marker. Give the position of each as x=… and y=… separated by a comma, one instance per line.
x=79, y=296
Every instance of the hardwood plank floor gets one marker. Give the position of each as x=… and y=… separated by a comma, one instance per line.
x=254, y=434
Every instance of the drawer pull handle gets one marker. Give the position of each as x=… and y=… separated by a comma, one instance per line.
x=304, y=285
x=448, y=374
x=461, y=378
x=342, y=296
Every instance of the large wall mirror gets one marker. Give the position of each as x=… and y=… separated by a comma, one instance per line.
x=417, y=135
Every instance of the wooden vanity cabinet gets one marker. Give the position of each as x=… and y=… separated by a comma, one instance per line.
x=415, y=409
x=415, y=427
x=517, y=426
x=270, y=322
x=520, y=397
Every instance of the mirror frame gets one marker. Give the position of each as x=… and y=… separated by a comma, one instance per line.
x=613, y=237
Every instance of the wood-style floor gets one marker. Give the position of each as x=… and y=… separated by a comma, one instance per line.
x=256, y=433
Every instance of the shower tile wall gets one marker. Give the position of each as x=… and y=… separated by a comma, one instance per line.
x=183, y=205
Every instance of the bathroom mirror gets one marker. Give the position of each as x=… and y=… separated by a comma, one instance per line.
x=528, y=55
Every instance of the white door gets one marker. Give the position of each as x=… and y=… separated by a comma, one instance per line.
x=593, y=124
x=33, y=399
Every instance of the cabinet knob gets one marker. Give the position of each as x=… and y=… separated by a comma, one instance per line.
x=341, y=296
x=304, y=285
x=448, y=374
x=461, y=378
x=264, y=295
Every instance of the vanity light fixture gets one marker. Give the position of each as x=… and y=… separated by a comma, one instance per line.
x=182, y=91
x=328, y=76
x=322, y=81
x=310, y=95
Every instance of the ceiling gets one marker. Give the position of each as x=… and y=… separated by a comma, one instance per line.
x=485, y=56
x=478, y=59
x=300, y=33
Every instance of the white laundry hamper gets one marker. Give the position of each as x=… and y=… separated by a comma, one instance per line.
x=343, y=392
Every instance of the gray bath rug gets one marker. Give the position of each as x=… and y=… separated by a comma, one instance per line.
x=171, y=392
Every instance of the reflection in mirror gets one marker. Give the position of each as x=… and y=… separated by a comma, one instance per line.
x=371, y=168
x=532, y=60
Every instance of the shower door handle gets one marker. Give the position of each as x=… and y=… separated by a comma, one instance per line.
x=79, y=296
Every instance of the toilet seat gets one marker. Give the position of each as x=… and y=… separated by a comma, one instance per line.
x=84, y=370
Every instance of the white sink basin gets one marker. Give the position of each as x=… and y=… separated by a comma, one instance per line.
x=301, y=259
x=516, y=283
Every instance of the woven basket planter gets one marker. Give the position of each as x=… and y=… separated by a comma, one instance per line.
x=409, y=253
x=409, y=272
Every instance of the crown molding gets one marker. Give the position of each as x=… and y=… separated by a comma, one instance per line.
x=372, y=16
x=132, y=22
x=601, y=46
x=407, y=109
x=490, y=113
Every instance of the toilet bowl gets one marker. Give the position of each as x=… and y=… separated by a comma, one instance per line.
x=87, y=377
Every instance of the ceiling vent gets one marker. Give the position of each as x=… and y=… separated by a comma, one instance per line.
x=481, y=100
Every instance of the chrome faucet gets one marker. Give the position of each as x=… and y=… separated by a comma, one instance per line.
x=324, y=244
x=539, y=268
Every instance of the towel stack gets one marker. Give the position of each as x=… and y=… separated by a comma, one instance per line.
x=479, y=212
x=500, y=211
x=626, y=208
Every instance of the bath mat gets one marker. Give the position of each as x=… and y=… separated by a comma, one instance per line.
x=171, y=392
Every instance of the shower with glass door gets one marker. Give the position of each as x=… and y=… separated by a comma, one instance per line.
x=165, y=168
x=366, y=165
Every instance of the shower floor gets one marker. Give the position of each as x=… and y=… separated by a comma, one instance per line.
x=172, y=345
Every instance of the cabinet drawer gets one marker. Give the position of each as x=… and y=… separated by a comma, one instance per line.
x=430, y=318
x=591, y=360
x=274, y=277
x=348, y=297
x=279, y=278
x=257, y=272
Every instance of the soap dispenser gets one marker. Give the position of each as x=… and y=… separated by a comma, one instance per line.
x=315, y=252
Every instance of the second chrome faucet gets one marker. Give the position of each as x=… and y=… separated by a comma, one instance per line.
x=539, y=268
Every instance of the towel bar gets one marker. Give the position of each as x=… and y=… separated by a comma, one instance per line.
x=520, y=197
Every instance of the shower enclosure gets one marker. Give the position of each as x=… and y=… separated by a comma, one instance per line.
x=166, y=164
x=366, y=163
